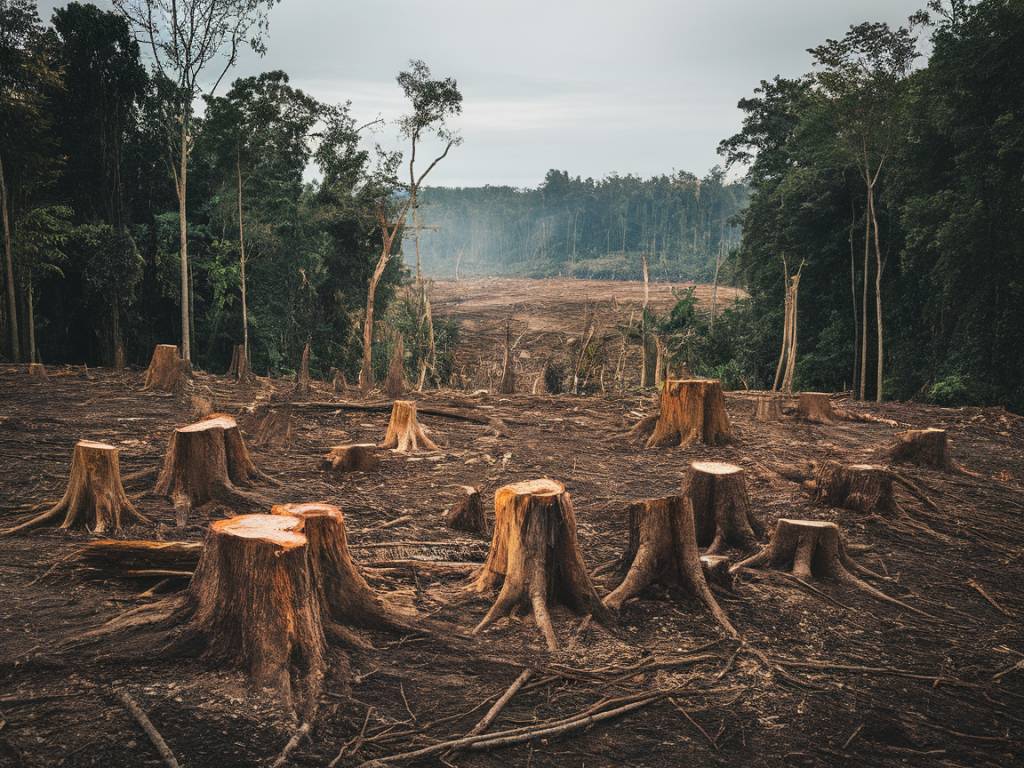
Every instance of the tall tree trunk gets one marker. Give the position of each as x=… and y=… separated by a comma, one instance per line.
x=643, y=319
x=785, y=326
x=366, y=372
x=12, y=300
x=241, y=258
x=853, y=295
x=879, y=365
x=186, y=347
x=864, y=298
x=33, y=355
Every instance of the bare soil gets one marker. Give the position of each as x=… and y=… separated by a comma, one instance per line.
x=830, y=676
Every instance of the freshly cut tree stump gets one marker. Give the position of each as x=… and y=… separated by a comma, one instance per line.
x=692, y=410
x=861, y=487
x=207, y=461
x=812, y=549
x=534, y=557
x=95, y=498
x=165, y=370
x=716, y=571
x=404, y=431
x=721, y=506
x=394, y=384
x=467, y=514
x=359, y=457
x=767, y=408
x=252, y=604
x=37, y=371
x=923, y=447
x=663, y=548
x=815, y=407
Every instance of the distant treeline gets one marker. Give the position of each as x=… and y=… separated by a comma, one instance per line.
x=583, y=227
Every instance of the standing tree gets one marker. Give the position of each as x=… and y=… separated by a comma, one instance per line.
x=186, y=38
x=433, y=102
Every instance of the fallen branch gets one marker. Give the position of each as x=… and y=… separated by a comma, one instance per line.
x=293, y=742
x=144, y=722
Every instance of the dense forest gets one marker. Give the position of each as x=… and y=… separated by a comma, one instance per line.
x=583, y=227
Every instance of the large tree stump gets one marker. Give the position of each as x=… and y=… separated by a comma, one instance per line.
x=239, y=369
x=205, y=462
x=95, y=498
x=663, y=549
x=252, y=604
x=37, y=371
x=356, y=457
x=860, y=487
x=923, y=447
x=692, y=410
x=721, y=506
x=815, y=407
x=534, y=557
x=815, y=549
x=467, y=513
x=404, y=431
x=767, y=408
x=165, y=370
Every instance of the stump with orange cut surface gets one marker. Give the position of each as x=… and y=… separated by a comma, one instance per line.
x=534, y=557
x=404, y=433
x=815, y=407
x=691, y=411
x=166, y=369
x=95, y=498
x=721, y=506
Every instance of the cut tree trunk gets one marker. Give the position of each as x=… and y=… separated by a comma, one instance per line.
x=205, y=462
x=534, y=557
x=357, y=457
x=273, y=425
x=302, y=384
x=252, y=604
x=861, y=487
x=37, y=371
x=165, y=369
x=721, y=506
x=467, y=514
x=95, y=498
x=692, y=410
x=394, y=384
x=767, y=408
x=816, y=407
x=118, y=556
x=663, y=549
x=404, y=431
x=239, y=369
x=923, y=447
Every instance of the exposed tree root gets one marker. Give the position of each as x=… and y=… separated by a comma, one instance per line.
x=404, y=433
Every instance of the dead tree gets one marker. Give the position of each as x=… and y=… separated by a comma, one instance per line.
x=860, y=487
x=394, y=384
x=165, y=370
x=692, y=410
x=787, y=356
x=534, y=557
x=663, y=549
x=95, y=498
x=721, y=506
x=507, y=383
x=767, y=408
x=404, y=431
x=923, y=447
x=467, y=513
x=302, y=383
x=205, y=462
x=355, y=457
x=815, y=407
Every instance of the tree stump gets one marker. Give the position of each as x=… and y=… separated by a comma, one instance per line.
x=239, y=369
x=95, y=498
x=692, y=410
x=252, y=604
x=535, y=558
x=861, y=487
x=338, y=381
x=923, y=447
x=37, y=371
x=767, y=408
x=663, y=549
x=815, y=407
x=165, y=369
x=467, y=514
x=302, y=383
x=357, y=457
x=716, y=571
x=206, y=462
x=404, y=431
x=721, y=506
x=273, y=425
x=394, y=384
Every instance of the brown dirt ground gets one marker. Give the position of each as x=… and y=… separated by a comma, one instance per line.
x=943, y=693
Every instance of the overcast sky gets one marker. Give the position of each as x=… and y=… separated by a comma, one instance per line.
x=589, y=86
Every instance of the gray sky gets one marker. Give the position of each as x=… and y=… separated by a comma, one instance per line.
x=590, y=86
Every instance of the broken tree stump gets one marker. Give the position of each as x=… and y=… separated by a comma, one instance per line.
x=37, y=371
x=767, y=408
x=252, y=604
x=207, y=461
x=663, y=549
x=692, y=410
x=721, y=506
x=815, y=407
x=860, y=487
x=923, y=447
x=534, y=557
x=358, y=457
x=467, y=513
x=95, y=498
x=166, y=369
x=404, y=431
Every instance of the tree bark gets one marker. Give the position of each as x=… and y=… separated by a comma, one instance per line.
x=394, y=384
